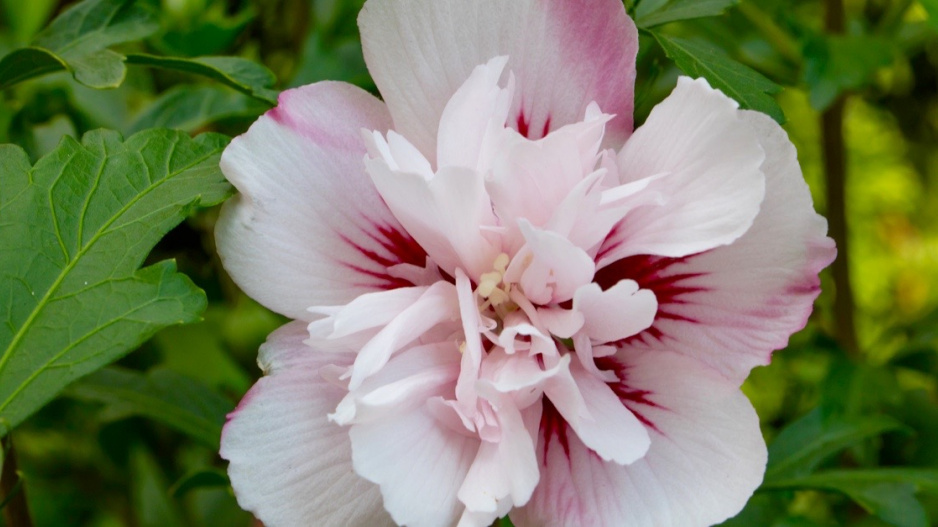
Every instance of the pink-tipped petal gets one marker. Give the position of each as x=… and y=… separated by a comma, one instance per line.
x=288, y=464
x=565, y=54
x=308, y=228
x=732, y=306
x=707, y=178
x=706, y=458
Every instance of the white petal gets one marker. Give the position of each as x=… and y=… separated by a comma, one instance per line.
x=405, y=382
x=472, y=353
x=549, y=268
x=619, y=312
x=601, y=421
x=438, y=304
x=371, y=310
x=712, y=187
x=524, y=378
x=564, y=54
x=288, y=464
x=707, y=455
x=444, y=213
x=530, y=179
x=419, y=464
x=308, y=227
x=473, y=121
x=563, y=323
x=732, y=306
x=502, y=471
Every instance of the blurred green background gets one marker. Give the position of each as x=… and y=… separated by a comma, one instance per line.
x=90, y=458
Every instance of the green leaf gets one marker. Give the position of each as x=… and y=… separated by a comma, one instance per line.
x=77, y=41
x=75, y=228
x=647, y=7
x=807, y=442
x=207, y=33
x=683, y=10
x=152, y=504
x=93, y=25
x=889, y=493
x=26, y=63
x=101, y=69
x=197, y=351
x=241, y=74
x=834, y=64
x=200, y=479
x=191, y=108
x=175, y=400
x=747, y=86
x=761, y=509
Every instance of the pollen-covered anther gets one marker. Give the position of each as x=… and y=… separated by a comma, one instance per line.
x=491, y=285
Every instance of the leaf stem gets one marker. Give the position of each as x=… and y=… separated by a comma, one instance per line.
x=16, y=512
x=835, y=171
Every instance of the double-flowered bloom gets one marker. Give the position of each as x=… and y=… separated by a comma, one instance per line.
x=507, y=301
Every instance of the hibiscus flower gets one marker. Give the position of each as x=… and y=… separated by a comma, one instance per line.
x=507, y=301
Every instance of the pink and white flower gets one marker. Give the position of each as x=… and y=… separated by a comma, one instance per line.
x=505, y=300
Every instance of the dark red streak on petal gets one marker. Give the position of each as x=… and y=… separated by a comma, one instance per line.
x=632, y=399
x=401, y=249
x=401, y=245
x=553, y=426
x=648, y=272
x=524, y=126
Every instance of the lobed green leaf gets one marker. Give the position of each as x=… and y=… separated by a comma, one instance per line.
x=746, y=86
x=75, y=228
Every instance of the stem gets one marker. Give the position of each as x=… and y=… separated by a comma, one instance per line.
x=835, y=170
x=15, y=513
